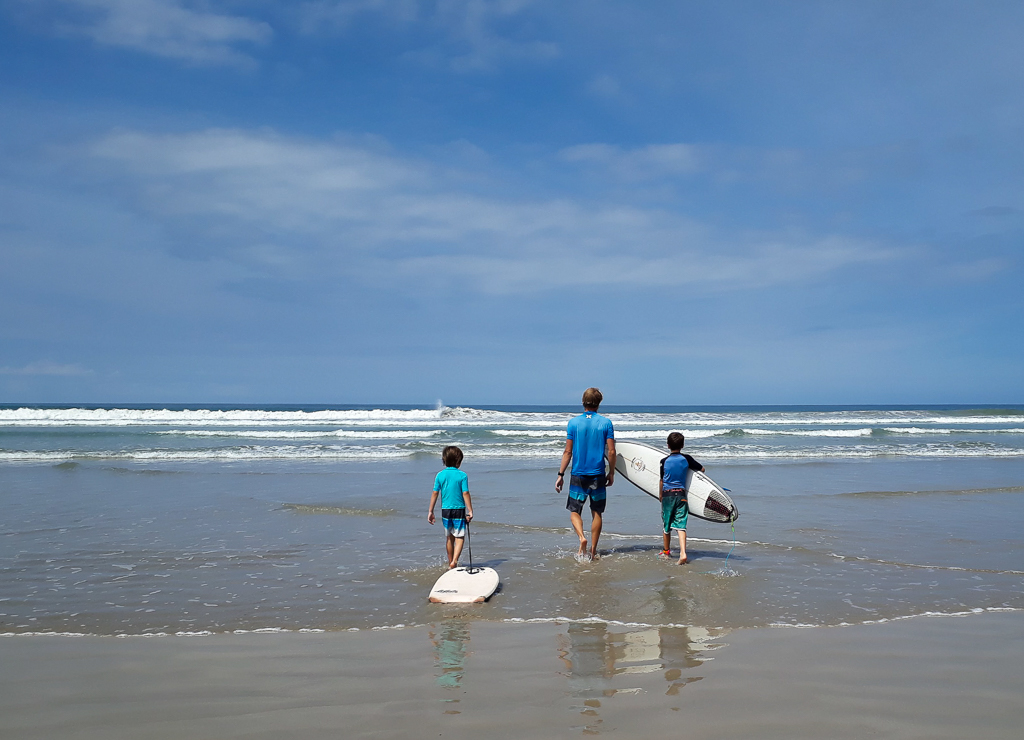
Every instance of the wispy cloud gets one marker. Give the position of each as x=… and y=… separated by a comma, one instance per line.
x=363, y=210
x=190, y=32
x=464, y=35
x=44, y=367
x=654, y=160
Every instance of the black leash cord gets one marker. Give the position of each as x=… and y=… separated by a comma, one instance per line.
x=469, y=546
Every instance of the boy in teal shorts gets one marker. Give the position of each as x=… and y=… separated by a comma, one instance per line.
x=452, y=485
x=672, y=494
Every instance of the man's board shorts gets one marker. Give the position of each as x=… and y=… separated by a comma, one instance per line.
x=674, y=510
x=454, y=522
x=582, y=486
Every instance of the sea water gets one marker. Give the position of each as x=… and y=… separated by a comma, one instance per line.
x=197, y=519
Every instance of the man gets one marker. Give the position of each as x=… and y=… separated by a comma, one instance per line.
x=589, y=438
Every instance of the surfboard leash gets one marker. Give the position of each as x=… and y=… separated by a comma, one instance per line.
x=469, y=546
x=732, y=523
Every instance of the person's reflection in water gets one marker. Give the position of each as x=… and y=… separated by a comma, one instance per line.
x=601, y=663
x=586, y=651
x=680, y=648
x=450, y=652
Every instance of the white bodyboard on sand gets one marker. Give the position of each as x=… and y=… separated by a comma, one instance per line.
x=464, y=586
x=640, y=464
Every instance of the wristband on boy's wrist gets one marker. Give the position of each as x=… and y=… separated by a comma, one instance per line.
x=561, y=475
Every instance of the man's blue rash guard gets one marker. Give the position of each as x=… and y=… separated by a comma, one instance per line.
x=589, y=433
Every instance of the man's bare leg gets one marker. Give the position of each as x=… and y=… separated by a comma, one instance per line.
x=577, y=524
x=683, y=560
x=458, y=542
x=595, y=535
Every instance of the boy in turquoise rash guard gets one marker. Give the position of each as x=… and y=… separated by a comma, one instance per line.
x=672, y=494
x=452, y=485
x=589, y=437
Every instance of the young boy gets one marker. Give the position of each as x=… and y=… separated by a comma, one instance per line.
x=456, y=506
x=672, y=494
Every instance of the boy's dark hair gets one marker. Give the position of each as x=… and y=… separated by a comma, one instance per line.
x=592, y=398
x=451, y=456
x=676, y=441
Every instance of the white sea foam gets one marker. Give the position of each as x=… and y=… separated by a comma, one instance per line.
x=941, y=430
x=865, y=432
x=206, y=417
x=623, y=433
x=518, y=450
x=958, y=614
x=379, y=434
x=470, y=417
x=333, y=434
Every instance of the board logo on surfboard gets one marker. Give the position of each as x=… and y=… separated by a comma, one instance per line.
x=640, y=464
x=464, y=586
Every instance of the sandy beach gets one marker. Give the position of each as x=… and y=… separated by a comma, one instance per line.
x=259, y=574
x=927, y=677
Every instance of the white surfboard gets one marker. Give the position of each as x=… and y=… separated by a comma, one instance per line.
x=464, y=586
x=640, y=464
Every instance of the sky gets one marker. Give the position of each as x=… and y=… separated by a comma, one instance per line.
x=506, y=201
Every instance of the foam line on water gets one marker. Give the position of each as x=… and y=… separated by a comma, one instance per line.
x=283, y=434
x=959, y=614
x=28, y=416
x=323, y=452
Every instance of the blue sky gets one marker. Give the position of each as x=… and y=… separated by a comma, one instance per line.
x=372, y=201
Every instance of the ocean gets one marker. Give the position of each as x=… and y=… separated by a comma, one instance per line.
x=137, y=520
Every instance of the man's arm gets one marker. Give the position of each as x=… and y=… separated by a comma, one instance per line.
x=563, y=466
x=610, y=454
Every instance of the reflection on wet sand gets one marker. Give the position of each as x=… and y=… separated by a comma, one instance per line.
x=450, y=652
x=599, y=658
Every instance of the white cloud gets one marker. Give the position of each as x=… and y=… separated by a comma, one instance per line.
x=655, y=160
x=358, y=209
x=465, y=35
x=166, y=28
x=320, y=13
x=44, y=367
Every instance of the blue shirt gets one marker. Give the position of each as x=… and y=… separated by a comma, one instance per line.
x=452, y=483
x=673, y=470
x=589, y=433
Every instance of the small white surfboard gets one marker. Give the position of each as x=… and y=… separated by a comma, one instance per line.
x=640, y=464
x=464, y=586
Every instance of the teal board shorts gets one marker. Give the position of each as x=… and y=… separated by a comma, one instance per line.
x=674, y=511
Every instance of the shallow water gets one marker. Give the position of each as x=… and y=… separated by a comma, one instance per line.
x=107, y=531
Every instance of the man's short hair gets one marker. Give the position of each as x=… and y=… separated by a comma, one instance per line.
x=451, y=456
x=676, y=441
x=592, y=398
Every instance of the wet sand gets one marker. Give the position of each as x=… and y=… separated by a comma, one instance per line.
x=917, y=678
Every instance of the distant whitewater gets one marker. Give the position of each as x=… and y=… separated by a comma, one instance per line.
x=178, y=434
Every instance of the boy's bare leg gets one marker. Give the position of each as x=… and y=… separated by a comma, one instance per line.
x=683, y=560
x=577, y=524
x=449, y=546
x=666, y=541
x=458, y=543
x=595, y=535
